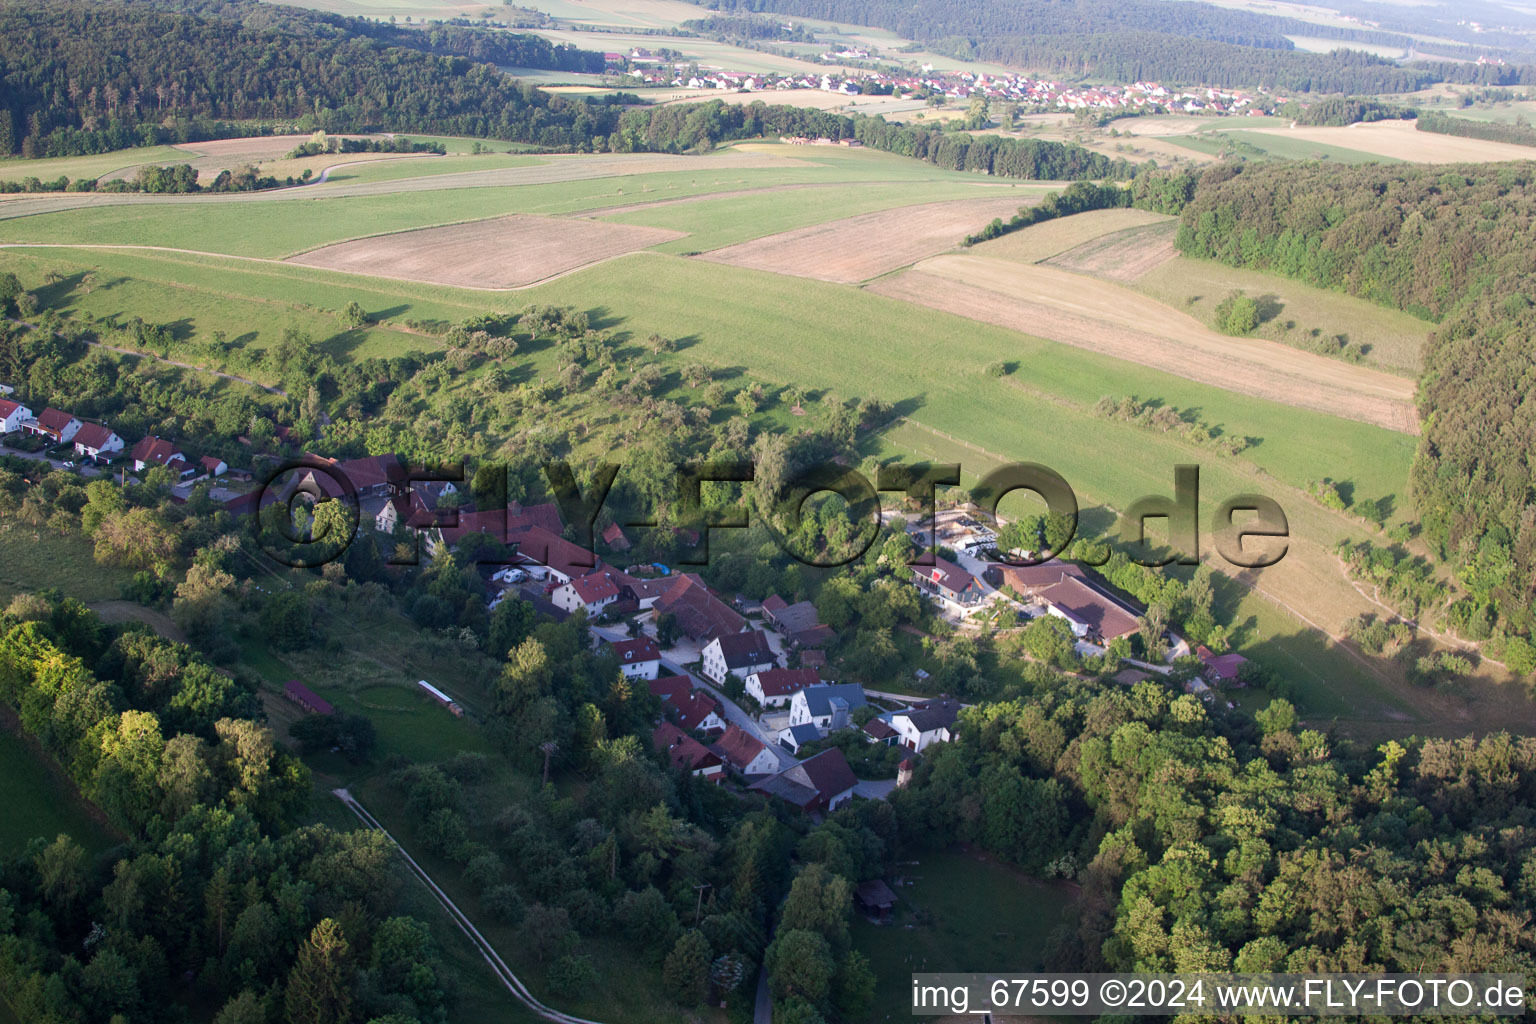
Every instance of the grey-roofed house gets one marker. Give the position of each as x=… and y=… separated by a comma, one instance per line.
x=797, y=736
x=740, y=653
x=829, y=707
x=821, y=783
x=924, y=724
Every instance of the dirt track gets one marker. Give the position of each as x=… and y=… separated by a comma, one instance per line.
x=1103, y=317
x=858, y=248
x=504, y=252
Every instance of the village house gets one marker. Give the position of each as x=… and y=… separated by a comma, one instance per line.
x=924, y=724
x=639, y=658
x=697, y=711
x=700, y=614
x=1221, y=669
x=828, y=706
x=670, y=689
x=819, y=784
x=417, y=508
x=797, y=736
x=741, y=654
x=153, y=451
x=93, y=440
x=745, y=752
x=593, y=593
x=1068, y=593
x=777, y=686
x=948, y=582
x=60, y=426
x=213, y=466
x=878, y=730
x=797, y=623
x=12, y=415
x=687, y=753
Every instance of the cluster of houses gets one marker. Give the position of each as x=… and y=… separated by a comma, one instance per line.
x=100, y=443
x=1031, y=94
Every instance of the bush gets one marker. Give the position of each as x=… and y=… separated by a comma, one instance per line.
x=1237, y=314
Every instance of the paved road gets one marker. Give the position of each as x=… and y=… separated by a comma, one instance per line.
x=84, y=470
x=503, y=973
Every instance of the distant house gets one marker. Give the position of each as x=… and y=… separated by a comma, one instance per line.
x=797, y=736
x=154, y=451
x=374, y=476
x=639, y=658
x=672, y=690
x=614, y=537
x=687, y=753
x=821, y=783
x=875, y=899
x=12, y=415
x=417, y=509
x=93, y=439
x=592, y=593
x=745, y=752
x=797, y=622
x=1069, y=594
x=60, y=426
x=306, y=698
x=212, y=466
x=947, y=581
x=924, y=724
x=739, y=653
x=828, y=707
x=777, y=686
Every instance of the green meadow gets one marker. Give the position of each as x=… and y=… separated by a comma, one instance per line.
x=40, y=801
x=1274, y=146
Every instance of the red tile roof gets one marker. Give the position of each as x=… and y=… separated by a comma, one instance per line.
x=782, y=682
x=946, y=574
x=373, y=471
x=671, y=688
x=7, y=407
x=695, y=708
x=1086, y=605
x=595, y=588
x=683, y=750
x=640, y=649
x=551, y=549
x=54, y=420
x=153, y=449
x=1222, y=666
x=738, y=747
x=700, y=614
x=93, y=435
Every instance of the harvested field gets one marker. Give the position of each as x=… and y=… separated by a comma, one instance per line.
x=1114, y=321
x=504, y=252
x=1054, y=237
x=1400, y=140
x=1124, y=256
x=858, y=248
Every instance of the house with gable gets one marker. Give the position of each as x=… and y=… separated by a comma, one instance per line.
x=741, y=654
x=777, y=687
x=687, y=753
x=94, y=440
x=819, y=784
x=745, y=753
x=639, y=658
x=829, y=707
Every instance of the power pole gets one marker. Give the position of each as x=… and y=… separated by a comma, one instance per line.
x=698, y=911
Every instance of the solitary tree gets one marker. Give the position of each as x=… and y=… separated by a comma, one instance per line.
x=320, y=985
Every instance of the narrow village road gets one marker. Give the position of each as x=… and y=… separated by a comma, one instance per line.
x=503, y=973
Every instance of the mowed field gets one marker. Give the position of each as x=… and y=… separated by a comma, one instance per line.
x=1124, y=256
x=1104, y=317
x=1400, y=140
x=507, y=252
x=859, y=248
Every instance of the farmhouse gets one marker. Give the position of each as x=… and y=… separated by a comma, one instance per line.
x=740, y=653
x=213, y=465
x=375, y=475
x=592, y=593
x=821, y=783
x=1220, y=668
x=12, y=415
x=60, y=426
x=1070, y=594
x=828, y=706
x=639, y=658
x=306, y=698
x=540, y=546
x=775, y=687
x=699, y=711
x=687, y=753
x=797, y=622
x=745, y=752
x=93, y=440
x=948, y=582
x=700, y=614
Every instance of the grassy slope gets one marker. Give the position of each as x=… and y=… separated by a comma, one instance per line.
x=1276, y=147
x=91, y=166
x=40, y=801
x=35, y=558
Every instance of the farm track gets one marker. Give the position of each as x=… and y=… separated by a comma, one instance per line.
x=504, y=974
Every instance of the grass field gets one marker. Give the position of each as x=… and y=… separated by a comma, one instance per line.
x=1396, y=339
x=40, y=801
x=1396, y=140
x=1245, y=142
x=89, y=166
x=39, y=557
x=959, y=912
x=1053, y=237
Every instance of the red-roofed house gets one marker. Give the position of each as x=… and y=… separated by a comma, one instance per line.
x=745, y=752
x=564, y=560
x=212, y=465
x=60, y=426
x=93, y=439
x=687, y=753
x=593, y=593
x=12, y=415
x=700, y=711
x=639, y=658
x=375, y=475
x=306, y=698
x=740, y=654
x=775, y=687
x=671, y=689
x=615, y=539
x=153, y=451
x=700, y=614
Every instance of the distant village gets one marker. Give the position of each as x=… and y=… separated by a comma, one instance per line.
x=1031, y=95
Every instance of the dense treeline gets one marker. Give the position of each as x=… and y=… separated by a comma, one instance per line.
x=1452, y=244
x=1338, y=111
x=1158, y=191
x=749, y=27
x=215, y=898
x=1188, y=43
x=1518, y=133
x=88, y=77
x=1276, y=851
